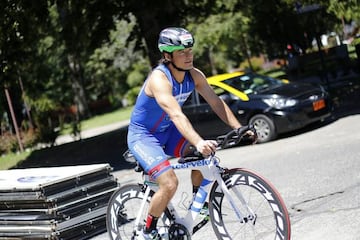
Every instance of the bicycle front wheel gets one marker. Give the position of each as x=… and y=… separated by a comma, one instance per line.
x=122, y=210
x=264, y=214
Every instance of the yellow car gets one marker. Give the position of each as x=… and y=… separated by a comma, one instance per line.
x=273, y=106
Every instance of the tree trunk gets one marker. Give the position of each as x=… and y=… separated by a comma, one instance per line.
x=152, y=22
x=212, y=61
x=77, y=80
x=150, y=37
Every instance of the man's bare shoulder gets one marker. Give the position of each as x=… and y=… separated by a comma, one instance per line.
x=157, y=77
x=195, y=72
x=157, y=83
x=198, y=76
x=156, y=73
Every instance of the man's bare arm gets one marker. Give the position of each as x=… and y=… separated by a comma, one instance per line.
x=160, y=88
x=217, y=104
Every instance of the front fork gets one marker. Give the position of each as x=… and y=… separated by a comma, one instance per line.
x=230, y=198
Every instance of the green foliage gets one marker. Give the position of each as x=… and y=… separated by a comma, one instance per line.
x=256, y=64
x=219, y=39
x=44, y=104
x=18, y=34
x=135, y=80
x=46, y=128
x=9, y=143
x=22, y=23
x=131, y=95
x=152, y=17
x=112, y=62
x=46, y=123
x=347, y=10
x=137, y=76
x=356, y=41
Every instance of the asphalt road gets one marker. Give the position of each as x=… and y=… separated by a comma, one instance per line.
x=317, y=172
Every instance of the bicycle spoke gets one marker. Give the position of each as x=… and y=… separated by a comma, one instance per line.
x=264, y=215
x=123, y=210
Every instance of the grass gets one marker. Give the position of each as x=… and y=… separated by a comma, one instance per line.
x=101, y=120
x=107, y=118
x=10, y=160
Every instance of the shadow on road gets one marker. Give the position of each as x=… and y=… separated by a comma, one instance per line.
x=105, y=148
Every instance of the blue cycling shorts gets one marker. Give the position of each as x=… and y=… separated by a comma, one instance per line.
x=152, y=150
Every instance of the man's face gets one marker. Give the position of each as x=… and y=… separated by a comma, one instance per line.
x=183, y=58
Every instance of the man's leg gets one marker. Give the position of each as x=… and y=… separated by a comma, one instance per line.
x=168, y=183
x=196, y=176
x=196, y=179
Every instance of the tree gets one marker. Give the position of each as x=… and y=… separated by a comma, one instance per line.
x=112, y=63
x=84, y=25
x=345, y=11
x=152, y=17
x=22, y=23
x=219, y=38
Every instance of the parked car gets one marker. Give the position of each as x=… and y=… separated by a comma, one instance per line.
x=273, y=106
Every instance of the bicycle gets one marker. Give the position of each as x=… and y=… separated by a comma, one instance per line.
x=242, y=204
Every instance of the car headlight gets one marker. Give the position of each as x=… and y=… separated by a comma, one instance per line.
x=280, y=103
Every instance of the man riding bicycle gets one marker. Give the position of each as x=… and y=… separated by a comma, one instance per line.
x=158, y=128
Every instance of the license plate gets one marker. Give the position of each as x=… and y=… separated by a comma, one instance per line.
x=318, y=105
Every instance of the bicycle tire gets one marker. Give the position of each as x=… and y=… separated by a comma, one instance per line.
x=122, y=210
x=271, y=216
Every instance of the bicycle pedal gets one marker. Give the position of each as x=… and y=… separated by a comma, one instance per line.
x=163, y=232
x=205, y=209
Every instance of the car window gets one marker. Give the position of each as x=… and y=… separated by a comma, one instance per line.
x=222, y=93
x=250, y=83
x=219, y=91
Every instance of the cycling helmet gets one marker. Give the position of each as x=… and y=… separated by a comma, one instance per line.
x=172, y=39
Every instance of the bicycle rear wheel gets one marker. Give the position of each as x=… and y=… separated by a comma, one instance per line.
x=122, y=210
x=264, y=212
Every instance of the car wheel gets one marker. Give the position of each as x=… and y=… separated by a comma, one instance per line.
x=265, y=128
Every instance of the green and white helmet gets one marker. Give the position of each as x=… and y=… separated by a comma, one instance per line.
x=173, y=38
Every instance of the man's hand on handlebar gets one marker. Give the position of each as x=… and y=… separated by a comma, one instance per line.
x=206, y=147
x=232, y=138
x=249, y=132
x=235, y=136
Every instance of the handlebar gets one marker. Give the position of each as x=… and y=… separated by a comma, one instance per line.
x=230, y=139
x=234, y=137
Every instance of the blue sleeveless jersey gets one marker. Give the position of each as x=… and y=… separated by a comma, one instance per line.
x=148, y=115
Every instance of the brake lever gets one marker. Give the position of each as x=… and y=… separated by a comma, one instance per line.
x=228, y=140
x=233, y=137
x=242, y=130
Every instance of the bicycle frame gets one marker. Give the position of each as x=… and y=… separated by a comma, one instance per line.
x=211, y=172
x=245, y=191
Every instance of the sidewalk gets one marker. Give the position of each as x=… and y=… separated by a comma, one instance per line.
x=91, y=132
